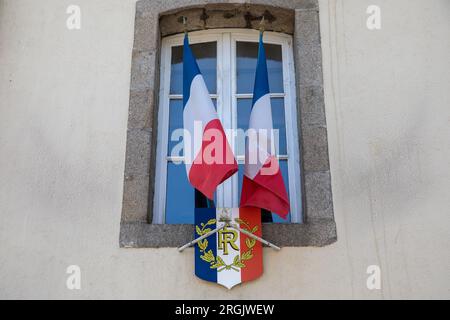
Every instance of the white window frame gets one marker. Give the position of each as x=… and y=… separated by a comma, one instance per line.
x=227, y=110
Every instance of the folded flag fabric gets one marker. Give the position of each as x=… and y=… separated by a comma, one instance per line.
x=228, y=257
x=208, y=156
x=263, y=185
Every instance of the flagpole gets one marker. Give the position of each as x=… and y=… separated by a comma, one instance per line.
x=267, y=243
x=266, y=215
x=228, y=223
x=184, y=24
x=261, y=25
x=234, y=226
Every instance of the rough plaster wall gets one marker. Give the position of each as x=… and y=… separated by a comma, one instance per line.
x=63, y=115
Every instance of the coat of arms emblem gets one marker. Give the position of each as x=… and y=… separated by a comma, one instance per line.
x=229, y=256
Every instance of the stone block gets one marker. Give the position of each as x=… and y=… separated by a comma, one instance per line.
x=140, y=114
x=312, y=107
x=143, y=70
x=146, y=31
x=138, y=152
x=135, y=192
x=314, y=148
x=307, y=31
x=319, y=200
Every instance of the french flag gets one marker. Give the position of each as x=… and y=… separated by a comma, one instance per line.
x=208, y=157
x=263, y=185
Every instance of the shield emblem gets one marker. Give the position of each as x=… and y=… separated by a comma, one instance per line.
x=228, y=257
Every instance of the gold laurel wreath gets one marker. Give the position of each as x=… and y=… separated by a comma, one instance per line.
x=217, y=262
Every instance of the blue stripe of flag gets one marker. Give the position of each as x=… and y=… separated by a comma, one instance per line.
x=190, y=69
x=202, y=268
x=261, y=87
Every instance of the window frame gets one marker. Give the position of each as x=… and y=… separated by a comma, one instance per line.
x=226, y=98
x=159, y=201
x=290, y=108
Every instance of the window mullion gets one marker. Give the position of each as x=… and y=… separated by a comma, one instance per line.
x=221, y=109
x=226, y=108
x=291, y=133
x=233, y=114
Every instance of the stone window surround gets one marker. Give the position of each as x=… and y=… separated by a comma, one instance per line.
x=157, y=18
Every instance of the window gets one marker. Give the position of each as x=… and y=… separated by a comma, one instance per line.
x=227, y=60
x=225, y=55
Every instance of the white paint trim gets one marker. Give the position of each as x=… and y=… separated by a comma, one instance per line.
x=159, y=202
x=225, y=188
x=250, y=95
x=234, y=179
x=180, y=96
x=295, y=196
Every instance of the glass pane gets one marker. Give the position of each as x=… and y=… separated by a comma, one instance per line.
x=243, y=116
x=247, y=54
x=180, y=195
x=175, y=122
x=279, y=124
x=175, y=144
x=244, y=107
x=206, y=55
x=284, y=172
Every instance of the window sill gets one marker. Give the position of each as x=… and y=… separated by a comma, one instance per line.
x=315, y=233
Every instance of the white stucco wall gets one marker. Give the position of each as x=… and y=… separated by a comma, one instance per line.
x=63, y=117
